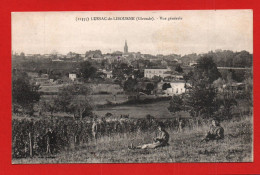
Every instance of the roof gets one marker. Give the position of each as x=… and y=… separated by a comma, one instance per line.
x=156, y=68
x=168, y=72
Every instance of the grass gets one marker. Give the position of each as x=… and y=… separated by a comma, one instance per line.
x=158, y=109
x=184, y=147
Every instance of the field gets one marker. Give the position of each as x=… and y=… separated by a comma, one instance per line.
x=158, y=110
x=184, y=147
x=96, y=88
x=99, y=99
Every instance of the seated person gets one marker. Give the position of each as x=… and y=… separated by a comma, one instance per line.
x=159, y=141
x=216, y=132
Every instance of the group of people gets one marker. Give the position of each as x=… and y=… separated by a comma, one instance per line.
x=216, y=132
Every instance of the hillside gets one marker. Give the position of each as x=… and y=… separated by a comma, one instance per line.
x=184, y=147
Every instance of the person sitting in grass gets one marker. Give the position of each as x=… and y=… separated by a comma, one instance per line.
x=216, y=132
x=159, y=141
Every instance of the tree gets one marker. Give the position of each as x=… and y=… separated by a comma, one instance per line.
x=49, y=105
x=130, y=85
x=74, y=99
x=25, y=93
x=202, y=96
x=166, y=86
x=206, y=69
x=22, y=55
x=201, y=101
x=138, y=73
x=187, y=76
x=121, y=71
x=178, y=69
x=149, y=87
x=87, y=70
x=93, y=53
x=176, y=104
x=248, y=91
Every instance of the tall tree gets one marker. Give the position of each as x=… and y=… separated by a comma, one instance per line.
x=202, y=95
x=130, y=85
x=149, y=87
x=87, y=70
x=179, y=69
x=176, y=104
x=74, y=99
x=25, y=93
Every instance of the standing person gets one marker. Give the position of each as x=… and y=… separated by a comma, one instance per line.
x=50, y=141
x=216, y=132
x=160, y=140
x=180, y=125
x=94, y=129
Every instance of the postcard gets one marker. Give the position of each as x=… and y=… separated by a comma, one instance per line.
x=132, y=86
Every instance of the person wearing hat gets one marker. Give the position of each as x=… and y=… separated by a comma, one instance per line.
x=51, y=141
x=216, y=132
x=160, y=140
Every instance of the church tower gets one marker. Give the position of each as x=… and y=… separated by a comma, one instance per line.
x=126, y=47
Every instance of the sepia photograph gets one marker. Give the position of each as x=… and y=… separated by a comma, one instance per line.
x=132, y=86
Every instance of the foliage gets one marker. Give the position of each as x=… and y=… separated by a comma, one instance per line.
x=93, y=53
x=206, y=69
x=225, y=106
x=176, y=104
x=183, y=146
x=229, y=58
x=69, y=99
x=166, y=86
x=49, y=105
x=149, y=87
x=138, y=74
x=87, y=71
x=201, y=98
x=24, y=92
x=248, y=92
x=188, y=76
x=121, y=71
x=178, y=69
x=130, y=85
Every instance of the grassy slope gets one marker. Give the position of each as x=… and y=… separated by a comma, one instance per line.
x=184, y=147
x=158, y=110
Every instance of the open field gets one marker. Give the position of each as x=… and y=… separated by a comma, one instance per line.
x=184, y=147
x=158, y=110
x=99, y=99
x=96, y=88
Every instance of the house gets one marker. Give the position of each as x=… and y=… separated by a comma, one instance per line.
x=150, y=73
x=99, y=59
x=57, y=60
x=177, y=88
x=42, y=81
x=72, y=76
x=108, y=73
x=192, y=63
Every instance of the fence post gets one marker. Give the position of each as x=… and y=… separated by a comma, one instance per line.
x=30, y=144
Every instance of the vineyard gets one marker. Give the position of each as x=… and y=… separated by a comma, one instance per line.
x=28, y=136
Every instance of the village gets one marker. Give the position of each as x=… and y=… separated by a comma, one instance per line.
x=119, y=77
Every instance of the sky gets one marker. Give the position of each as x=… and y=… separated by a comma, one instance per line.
x=198, y=31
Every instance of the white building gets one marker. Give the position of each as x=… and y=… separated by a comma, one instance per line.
x=108, y=73
x=193, y=63
x=72, y=76
x=177, y=88
x=150, y=73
